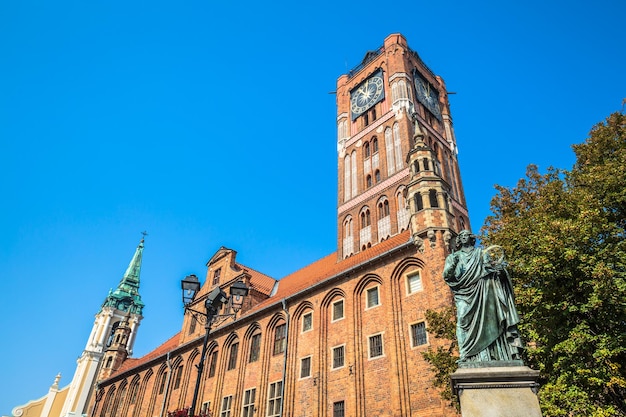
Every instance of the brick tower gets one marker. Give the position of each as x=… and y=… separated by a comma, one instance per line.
x=398, y=165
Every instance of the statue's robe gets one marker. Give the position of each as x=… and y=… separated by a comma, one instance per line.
x=486, y=315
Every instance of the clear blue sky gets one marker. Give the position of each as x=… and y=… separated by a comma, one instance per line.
x=211, y=123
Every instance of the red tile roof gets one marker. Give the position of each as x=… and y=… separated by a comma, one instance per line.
x=168, y=346
x=306, y=277
x=259, y=281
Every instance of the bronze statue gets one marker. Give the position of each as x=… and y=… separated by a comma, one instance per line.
x=486, y=316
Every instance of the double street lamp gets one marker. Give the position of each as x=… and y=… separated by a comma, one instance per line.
x=212, y=304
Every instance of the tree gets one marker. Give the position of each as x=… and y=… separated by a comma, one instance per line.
x=564, y=232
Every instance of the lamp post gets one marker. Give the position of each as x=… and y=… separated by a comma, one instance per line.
x=212, y=304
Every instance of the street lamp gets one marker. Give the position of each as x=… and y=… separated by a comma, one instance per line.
x=212, y=304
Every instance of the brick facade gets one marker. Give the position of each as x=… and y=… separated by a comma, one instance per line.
x=344, y=335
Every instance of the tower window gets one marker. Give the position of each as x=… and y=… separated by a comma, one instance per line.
x=377, y=176
x=417, y=199
x=375, y=145
x=426, y=167
x=432, y=196
x=109, y=361
x=366, y=150
x=365, y=218
x=368, y=181
x=383, y=209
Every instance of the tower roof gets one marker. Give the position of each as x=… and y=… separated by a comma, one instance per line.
x=126, y=296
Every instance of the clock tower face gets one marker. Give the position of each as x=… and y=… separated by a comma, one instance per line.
x=366, y=94
x=427, y=95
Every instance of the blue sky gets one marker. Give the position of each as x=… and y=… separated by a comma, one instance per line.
x=211, y=123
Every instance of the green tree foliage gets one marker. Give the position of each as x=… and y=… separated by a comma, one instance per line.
x=564, y=233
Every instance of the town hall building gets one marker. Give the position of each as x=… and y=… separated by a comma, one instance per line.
x=343, y=336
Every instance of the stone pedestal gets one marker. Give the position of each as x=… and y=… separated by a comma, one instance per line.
x=493, y=390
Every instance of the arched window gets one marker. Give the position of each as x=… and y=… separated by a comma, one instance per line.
x=432, y=196
x=353, y=167
x=383, y=209
x=377, y=176
x=375, y=145
x=397, y=146
x=426, y=166
x=365, y=218
x=366, y=150
x=391, y=166
x=347, y=227
x=417, y=200
x=416, y=167
x=347, y=193
x=368, y=181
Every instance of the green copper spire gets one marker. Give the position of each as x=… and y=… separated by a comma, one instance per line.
x=126, y=296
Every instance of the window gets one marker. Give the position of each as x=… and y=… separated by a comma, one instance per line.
x=432, y=196
x=366, y=149
x=426, y=167
x=274, y=399
x=232, y=359
x=338, y=356
x=192, y=325
x=339, y=409
x=383, y=209
x=307, y=322
x=255, y=348
x=305, y=367
x=376, y=345
x=226, y=403
x=365, y=218
x=206, y=407
x=133, y=392
x=375, y=145
x=213, y=364
x=414, y=282
x=397, y=147
x=372, y=297
x=249, y=396
x=338, y=310
x=419, y=203
x=109, y=361
x=162, y=385
x=280, y=339
x=216, y=276
x=418, y=334
x=179, y=376
x=389, y=151
x=377, y=176
x=368, y=181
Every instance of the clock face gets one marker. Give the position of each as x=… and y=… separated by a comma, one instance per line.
x=427, y=95
x=370, y=92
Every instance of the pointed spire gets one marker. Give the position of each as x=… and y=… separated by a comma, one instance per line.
x=126, y=296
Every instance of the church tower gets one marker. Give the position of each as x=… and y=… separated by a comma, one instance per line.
x=396, y=145
x=112, y=336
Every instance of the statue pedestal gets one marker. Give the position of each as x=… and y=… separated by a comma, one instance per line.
x=493, y=390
